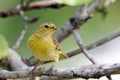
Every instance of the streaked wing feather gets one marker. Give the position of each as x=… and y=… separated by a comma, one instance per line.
x=57, y=45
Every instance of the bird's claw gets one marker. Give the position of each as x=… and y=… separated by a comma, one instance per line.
x=32, y=71
x=49, y=72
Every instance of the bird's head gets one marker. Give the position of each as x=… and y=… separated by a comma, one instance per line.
x=47, y=29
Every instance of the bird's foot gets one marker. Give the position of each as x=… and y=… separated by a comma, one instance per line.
x=26, y=61
x=49, y=72
x=32, y=71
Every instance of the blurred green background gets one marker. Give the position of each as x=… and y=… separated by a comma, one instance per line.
x=95, y=29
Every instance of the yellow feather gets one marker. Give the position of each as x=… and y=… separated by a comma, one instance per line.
x=43, y=46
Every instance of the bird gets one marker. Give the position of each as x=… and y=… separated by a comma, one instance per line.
x=43, y=45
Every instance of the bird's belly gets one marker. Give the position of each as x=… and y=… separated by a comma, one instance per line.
x=44, y=51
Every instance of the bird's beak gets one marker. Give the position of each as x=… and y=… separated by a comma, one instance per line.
x=53, y=28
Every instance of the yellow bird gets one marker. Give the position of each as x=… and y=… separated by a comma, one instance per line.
x=43, y=46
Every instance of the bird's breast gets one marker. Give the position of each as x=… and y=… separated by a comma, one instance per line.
x=42, y=48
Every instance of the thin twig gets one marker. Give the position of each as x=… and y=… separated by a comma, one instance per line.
x=80, y=44
x=18, y=42
x=94, y=5
x=76, y=23
x=30, y=6
x=25, y=18
x=96, y=44
x=21, y=13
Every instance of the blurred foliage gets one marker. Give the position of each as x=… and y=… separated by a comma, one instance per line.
x=3, y=47
x=93, y=30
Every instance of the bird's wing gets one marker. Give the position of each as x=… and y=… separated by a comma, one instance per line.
x=57, y=45
x=58, y=48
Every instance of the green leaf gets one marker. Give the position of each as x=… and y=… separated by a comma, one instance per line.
x=3, y=47
x=74, y=2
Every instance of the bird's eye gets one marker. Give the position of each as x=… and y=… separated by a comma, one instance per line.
x=46, y=26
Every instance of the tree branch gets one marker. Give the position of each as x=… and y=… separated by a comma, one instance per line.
x=21, y=13
x=89, y=71
x=95, y=44
x=15, y=63
x=30, y=6
x=25, y=18
x=66, y=30
x=18, y=42
x=81, y=45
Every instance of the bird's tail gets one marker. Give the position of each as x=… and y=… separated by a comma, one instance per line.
x=63, y=55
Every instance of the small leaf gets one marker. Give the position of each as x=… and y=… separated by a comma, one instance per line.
x=74, y=2
x=3, y=47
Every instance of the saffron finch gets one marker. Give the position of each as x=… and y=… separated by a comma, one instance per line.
x=43, y=46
